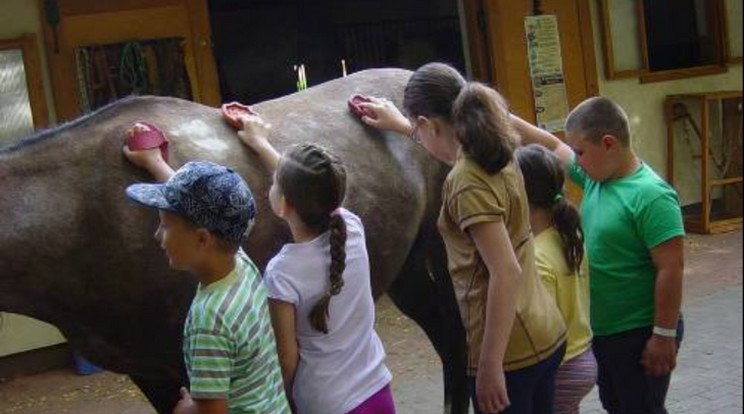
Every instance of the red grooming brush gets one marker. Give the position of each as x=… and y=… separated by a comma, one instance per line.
x=233, y=111
x=154, y=138
x=354, y=102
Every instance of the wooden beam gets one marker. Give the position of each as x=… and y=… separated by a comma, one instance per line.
x=674, y=74
x=669, y=117
x=35, y=81
x=591, y=78
x=477, y=30
x=80, y=7
x=201, y=35
x=705, y=167
x=643, y=36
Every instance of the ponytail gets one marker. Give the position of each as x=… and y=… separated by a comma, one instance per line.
x=321, y=310
x=482, y=125
x=478, y=113
x=567, y=221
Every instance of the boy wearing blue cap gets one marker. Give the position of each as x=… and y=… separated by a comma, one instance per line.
x=229, y=347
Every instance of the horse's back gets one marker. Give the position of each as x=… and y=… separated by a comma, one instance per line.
x=391, y=181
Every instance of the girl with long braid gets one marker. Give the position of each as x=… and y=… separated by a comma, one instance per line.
x=319, y=286
x=562, y=265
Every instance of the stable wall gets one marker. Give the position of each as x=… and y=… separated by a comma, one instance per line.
x=19, y=333
x=645, y=105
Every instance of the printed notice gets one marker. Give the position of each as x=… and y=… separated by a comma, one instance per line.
x=546, y=70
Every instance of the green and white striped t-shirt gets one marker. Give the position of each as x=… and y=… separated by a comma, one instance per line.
x=229, y=344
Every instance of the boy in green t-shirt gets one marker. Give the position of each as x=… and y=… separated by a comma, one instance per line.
x=635, y=245
x=229, y=347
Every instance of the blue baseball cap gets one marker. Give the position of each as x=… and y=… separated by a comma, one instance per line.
x=209, y=195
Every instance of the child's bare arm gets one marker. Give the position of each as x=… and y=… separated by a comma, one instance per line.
x=533, y=135
x=187, y=405
x=150, y=160
x=255, y=135
x=211, y=406
x=284, y=322
x=387, y=116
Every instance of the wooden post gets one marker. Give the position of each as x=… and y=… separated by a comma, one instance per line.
x=705, y=156
x=669, y=115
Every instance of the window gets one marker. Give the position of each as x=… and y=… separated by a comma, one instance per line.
x=23, y=106
x=682, y=34
x=657, y=40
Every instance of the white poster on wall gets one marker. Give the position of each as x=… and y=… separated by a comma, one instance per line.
x=546, y=70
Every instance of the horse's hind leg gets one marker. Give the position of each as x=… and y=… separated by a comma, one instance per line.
x=423, y=291
x=163, y=394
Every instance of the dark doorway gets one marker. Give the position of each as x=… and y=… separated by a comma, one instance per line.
x=258, y=43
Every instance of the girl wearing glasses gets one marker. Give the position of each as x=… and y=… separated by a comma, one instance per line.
x=515, y=332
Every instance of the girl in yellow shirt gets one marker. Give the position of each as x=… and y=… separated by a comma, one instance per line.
x=559, y=245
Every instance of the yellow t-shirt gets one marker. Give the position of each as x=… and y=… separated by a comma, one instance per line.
x=570, y=290
x=471, y=196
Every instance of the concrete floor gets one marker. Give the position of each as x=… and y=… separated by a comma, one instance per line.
x=713, y=351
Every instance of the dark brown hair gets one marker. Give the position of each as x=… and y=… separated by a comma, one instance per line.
x=314, y=182
x=478, y=113
x=432, y=91
x=544, y=179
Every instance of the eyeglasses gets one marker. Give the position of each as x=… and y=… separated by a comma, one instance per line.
x=414, y=137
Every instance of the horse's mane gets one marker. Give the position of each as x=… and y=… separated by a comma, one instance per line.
x=100, y=114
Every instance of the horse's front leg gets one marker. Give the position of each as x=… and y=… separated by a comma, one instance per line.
x=423, y=291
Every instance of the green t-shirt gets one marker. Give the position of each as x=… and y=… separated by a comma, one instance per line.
x=229, y=345
x=623, y=220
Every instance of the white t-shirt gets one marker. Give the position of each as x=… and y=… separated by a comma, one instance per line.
x=341, y=370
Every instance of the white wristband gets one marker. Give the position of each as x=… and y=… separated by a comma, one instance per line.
x=666, y=333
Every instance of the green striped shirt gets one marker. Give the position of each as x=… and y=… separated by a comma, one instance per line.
x=229, y=345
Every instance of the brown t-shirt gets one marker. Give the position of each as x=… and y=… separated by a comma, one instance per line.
x=470, y=197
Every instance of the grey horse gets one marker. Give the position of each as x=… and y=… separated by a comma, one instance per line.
x=75, y=253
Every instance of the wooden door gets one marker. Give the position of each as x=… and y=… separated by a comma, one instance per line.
x=507, y=49
x=77, y=23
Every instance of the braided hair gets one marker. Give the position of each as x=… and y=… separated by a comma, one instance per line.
x=314, y=182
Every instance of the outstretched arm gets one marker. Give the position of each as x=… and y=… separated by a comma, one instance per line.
x=387, y=116
x=150, y=160
x=255, y=135
x=534, y=135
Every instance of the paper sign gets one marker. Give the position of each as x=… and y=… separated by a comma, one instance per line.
x=546, y=70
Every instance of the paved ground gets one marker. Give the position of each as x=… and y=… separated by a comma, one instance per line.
x=709, y=378
x=708, y=381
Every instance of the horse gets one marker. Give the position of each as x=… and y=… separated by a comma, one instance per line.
x=76, y=253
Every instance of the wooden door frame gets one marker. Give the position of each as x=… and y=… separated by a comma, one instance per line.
x=138, y=19
x=481, y=62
